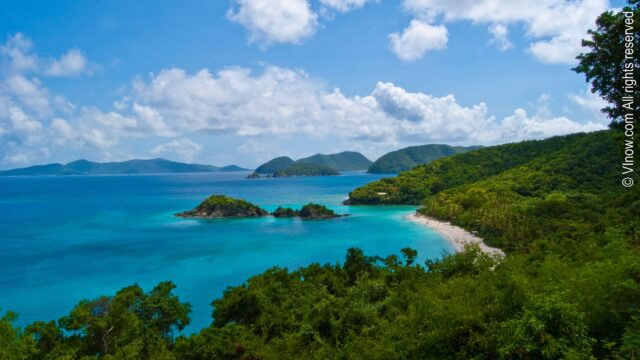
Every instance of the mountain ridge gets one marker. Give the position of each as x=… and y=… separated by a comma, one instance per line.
x=406, y=158
x=133, y=166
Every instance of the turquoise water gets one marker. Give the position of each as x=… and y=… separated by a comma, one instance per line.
x=65, y=239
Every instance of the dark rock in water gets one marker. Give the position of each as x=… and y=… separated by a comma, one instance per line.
x=221, y=206
x=253, y=175
x=281, y=212
x=316, y=211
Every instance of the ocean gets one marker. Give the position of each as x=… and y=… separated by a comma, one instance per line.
x=69, y=238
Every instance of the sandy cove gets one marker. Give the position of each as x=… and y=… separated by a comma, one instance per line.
x=457, y=236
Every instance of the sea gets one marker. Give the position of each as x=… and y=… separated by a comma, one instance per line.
x=68, y=238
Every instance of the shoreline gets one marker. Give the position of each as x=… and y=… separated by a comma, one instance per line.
x=456, y=236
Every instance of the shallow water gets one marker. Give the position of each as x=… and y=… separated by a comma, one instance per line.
x=65, y=239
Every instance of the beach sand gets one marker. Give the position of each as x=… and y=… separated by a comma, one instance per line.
x=457, y=236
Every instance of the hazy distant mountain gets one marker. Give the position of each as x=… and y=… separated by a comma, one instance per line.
x=136, y=166
x=344, y=161
x=407, y=158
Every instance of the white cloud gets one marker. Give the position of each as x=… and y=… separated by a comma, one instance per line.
x=184, y=148
x=274, y=21
x=500, y=36
x=417, y=39
x=152, y=120
x=343, y=5
x=591, y=103
x=29, y=93
x=521, y=126
x=19, y=59
x=555, y=27
x=236, y=103
x=62, y=129
x=281, y=101
x=17, y=53
x=72, y=63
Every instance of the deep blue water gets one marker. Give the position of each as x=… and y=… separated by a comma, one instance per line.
x=64, y=239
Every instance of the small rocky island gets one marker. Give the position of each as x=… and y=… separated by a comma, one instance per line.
x=221, y=206
x=308, y=212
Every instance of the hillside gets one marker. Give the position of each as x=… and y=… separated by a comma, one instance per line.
x=412, y=186
x=136, y=166
x=274, y=165
x=305, y=169
x=407, y=158
x=344, y=161
x=316, y=165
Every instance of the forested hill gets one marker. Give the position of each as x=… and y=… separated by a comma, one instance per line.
x=407, y=158
x=274, y=165
x=316, y=165
x=344, y=161
x=415, y=185
x=136, y=166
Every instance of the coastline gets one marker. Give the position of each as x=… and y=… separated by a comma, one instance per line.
x=457, y=236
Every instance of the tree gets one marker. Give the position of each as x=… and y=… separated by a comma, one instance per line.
x=549, y=329
x=604, y=64
x=13, y=344
x=130, y=324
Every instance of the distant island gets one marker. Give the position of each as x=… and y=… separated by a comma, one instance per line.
x=316, y=165
x=136, y=166
x=222, y=206
x=410, y=157
x=305, y=169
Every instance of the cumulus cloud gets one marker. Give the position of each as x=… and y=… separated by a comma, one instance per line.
x=418, y=38
x=274, y=21
x=281, y=101
x=184, y=148
x=17, y=55
x=18, y=58
x=555, y=27
x=72, y=63
x=343, y=5
x=591, y=103
x=500, y=36
x=174, y=106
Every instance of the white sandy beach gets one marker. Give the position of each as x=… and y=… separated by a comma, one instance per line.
x=457, y=236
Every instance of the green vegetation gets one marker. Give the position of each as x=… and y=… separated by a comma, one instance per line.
x=527, y=306
x=411, y=187
x=344, y=161
x=85, y=167
x=407, y=158
x=316, y=165
x=221, y=206
x=281, y=212
x=274, y=165
x=307, y=212
x=568, y=287
x=130, y=325
x=303, y=169
x=316, y=211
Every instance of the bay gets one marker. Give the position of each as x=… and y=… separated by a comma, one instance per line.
x=68, y=238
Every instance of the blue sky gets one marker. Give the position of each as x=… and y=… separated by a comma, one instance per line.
x=242, y=81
